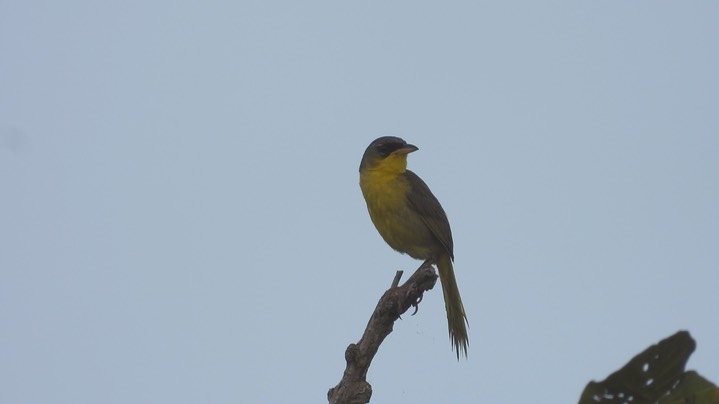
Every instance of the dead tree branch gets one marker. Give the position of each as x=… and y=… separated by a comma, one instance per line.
x=353, y=388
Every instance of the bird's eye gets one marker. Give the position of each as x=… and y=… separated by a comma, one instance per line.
x=384, y=149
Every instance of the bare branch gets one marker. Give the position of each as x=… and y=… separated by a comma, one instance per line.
x=353, y=388
x=397, y=277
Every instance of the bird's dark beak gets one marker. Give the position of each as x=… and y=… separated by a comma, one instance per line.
x=406, y=149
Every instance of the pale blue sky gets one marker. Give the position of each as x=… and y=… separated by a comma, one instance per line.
x=181, y=222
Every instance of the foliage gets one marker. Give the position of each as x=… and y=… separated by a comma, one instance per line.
x=656, y=375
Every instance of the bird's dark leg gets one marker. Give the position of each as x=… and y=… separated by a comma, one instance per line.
x=428, y=262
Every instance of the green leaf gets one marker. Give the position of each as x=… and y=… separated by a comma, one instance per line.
x=649, y=377
x=693, y=389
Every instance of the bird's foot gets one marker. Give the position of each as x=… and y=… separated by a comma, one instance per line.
x=416, y=304
x=428, y=262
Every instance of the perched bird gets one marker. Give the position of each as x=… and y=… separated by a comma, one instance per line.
x=410, y=219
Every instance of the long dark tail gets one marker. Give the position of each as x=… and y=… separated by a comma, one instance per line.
x=456, y=317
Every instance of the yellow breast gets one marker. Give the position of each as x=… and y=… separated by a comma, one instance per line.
x=386, y=193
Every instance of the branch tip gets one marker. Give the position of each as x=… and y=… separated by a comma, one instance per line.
x=397, y=277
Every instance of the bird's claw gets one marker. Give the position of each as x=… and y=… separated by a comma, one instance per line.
x=416, y=304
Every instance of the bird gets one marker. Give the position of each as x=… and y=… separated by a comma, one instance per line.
x=411, y=220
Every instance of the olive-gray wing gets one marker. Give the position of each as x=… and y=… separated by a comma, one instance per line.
x=426, y=204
